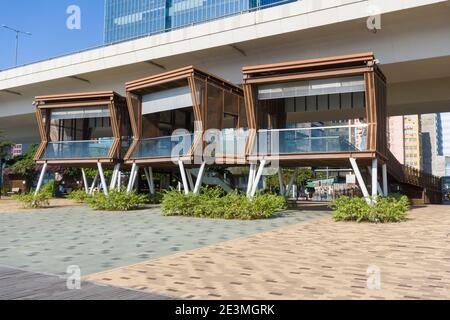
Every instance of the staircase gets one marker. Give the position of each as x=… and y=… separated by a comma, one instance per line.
x=212, y=180
x=415, y=181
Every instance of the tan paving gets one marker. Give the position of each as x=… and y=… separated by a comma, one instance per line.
x=319, y=259
x=9, y=205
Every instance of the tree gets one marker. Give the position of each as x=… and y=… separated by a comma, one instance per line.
x=25, y=165
x=4, y=151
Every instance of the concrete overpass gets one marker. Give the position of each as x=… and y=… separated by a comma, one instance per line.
x=413, y=47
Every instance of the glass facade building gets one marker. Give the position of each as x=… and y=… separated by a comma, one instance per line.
x=128, y=19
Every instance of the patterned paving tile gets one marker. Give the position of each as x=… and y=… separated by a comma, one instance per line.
x=51, y=240
x=311, y=260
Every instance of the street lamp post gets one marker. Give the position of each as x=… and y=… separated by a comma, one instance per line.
x=18, y=32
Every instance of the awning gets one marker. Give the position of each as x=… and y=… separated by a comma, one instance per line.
x=80, y=113
x=170, y=99
x=311, y=88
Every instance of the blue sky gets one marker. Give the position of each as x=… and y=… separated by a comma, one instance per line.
x=46, y=20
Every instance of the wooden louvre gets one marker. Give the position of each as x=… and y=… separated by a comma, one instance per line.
x=109, y=99
x=191, y=76
x=363, y=64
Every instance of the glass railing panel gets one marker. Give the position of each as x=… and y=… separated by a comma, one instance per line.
x=227, y=141
x=78, y=149
x=162, y=147
x=312, y=140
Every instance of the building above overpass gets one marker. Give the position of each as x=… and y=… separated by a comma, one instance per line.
x=298, y=30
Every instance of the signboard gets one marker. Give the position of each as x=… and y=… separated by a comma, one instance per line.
x=350, y=179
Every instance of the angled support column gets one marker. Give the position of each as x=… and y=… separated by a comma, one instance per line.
x=152, y=180
x=291, y=182
x=251, y=178
x=201, y=173
x=86, y=186
x=360, y=179
x=119, y=180
x=385, y=180
x=190, y=180
x=41, y=179
x=133, y=175
x=257, y=178
x=375, y=184
x=102, y=178
x=114, y=176
x=183, y=176
x=149, y=176
x=280, y=180
x=94, y=182
x=380, y=191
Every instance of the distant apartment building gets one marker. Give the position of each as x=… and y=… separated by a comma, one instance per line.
x=396, y=139
x=413, y=144
x=433, y=161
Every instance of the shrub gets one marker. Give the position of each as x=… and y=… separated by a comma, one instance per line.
x=155, y=198
x=29, y=200
x=79, y=196
x=117, y=200
x=390, y=209
x=213, y=203
x=41, y=200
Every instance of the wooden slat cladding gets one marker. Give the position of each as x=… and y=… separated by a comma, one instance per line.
x=45, y=103
x=198, y=82
x=333, y=67
x=355, y=59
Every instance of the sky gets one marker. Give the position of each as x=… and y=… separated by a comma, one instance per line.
x=47, y=21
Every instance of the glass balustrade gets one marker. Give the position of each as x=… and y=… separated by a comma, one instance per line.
x=162, y=147
x=311, y=140
x=78, y=149
x=228, y=141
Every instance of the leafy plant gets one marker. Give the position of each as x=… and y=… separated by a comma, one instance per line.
x=79, y=196
x=155, y=198
x=41, y=200
x=117, y=200
x=25, y=165
x=390, y=209
x=214, y=203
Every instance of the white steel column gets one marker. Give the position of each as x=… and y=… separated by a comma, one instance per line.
x=94, y=182
x=41, y=179
x=380, y=191
x=149, y=176
x=114, y=176
x=360, y=179
x=385, y=180
x=183, y=176
x=291, y=182
x=86, y=186
x=280, y=180
x=119, y=180
x=257, y=178
x=152, y=181
x=374, y=179
x=133, y=175
x=190, y=180
x=102, y=178
x=199, y=181
x=251, y=178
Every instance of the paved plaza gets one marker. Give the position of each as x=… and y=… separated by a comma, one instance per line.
x=300, y=254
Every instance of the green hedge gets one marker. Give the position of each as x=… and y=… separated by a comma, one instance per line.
x=213, y=203
x=41, y=200
x=79, y=196
x=117, y=200
x=390, y=209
